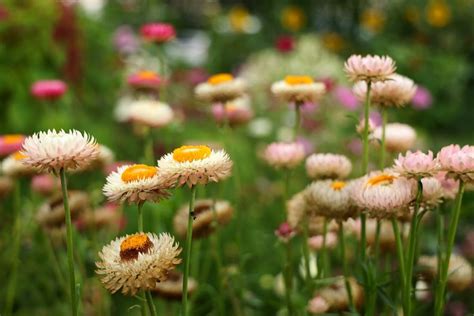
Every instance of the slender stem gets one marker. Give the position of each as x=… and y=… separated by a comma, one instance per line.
x=377, y=240
x=149, y=150
x=401, y=259
x=140, y=216
x=215, y=248
x=443, y=274
x=344, y=265
x=306, y=252
x=297, y=120
x=70, y=249
x=151, y=305
x=382, y=144
x=407, y=292
x=288, y=278
x=187, y=258
x=323, y=268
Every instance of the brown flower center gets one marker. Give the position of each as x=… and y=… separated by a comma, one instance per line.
x=220, y=78
x=296, y=80
x=190, y=153
x=138, y=172
x=133, y=245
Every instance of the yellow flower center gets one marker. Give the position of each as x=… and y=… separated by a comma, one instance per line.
x=147, y=74
x=381, y=179
x=338, y=185
x=293, y=18
x=220, y=78
x=295, y=80
x=138, y=172
x=190, y=153
x=19, y=155
x=12, y=139
x=133, y=245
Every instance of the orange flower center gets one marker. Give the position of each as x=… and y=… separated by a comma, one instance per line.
x=138, y=172
x=295, y=80
x=381, y=179
x=13, y=139
x=133, y=245
x=220, y=78
x=19, y=155
x=190, y=153
x=338, y=185
x=147, y=74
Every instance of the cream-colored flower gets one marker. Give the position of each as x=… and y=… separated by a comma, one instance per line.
x=221, y=88
x=284, y=155
x=135, y=184
x=398, y=137
x=331, y=199
x=204, y=217
x=298, y=89
x=151, y=113
x=195, y=164
x=460, y=273
x=328, y=166
x=136, y=262
x=53, y=151
x=13, y=166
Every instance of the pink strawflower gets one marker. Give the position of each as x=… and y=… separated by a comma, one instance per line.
x=316, y=242
x=48, y=89
x=328, y=166
x=433, y=192
x=369, y=68
x=10, y=143
x=346, y=98
x=457, y=161
x=145, y=79
x=360, y=128
x=235, y=112
x=398, y=137
x=285, y=43
x=395, y=91
x=285, y=232
x=416, y=164
x=125, y=40
x=422, y=98
x=45, y=184
x=284, y=155
x=158, y=32
x=318, y=305
x=450, y=186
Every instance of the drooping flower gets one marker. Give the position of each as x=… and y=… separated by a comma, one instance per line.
x=398, y=137
x=395, y=91
x=460, y=273
x=136, y=184
x=369, y=68
x=145, y=79
x=151, y=113
x=48, y=89
x=416, y=164
x=207, y=214
x=383, y=194
x=221, y=87
x=136, y=262
x=195, y=164
x=328, y=166
x=284, y=155
x=235, y=112
x=11, y=143
x=457, y=161
x=54, y=150
x=298, y=89
x=158, y=32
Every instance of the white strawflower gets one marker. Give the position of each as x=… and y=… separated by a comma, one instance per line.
x=324, y=166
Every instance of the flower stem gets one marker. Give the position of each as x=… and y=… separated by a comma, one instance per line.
x=399, y=244
x=323, y=265
x=344, y=265
x=297, y=120
x=443, y=273
x=218, y=261
x=187, y=258
x=382, y=144
x=70, y=249
x=306, y=252
x=288, y=278
x=151, y=305
x=140, y=216
x=149, y=151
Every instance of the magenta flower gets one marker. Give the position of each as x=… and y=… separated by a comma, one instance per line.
x=369, y=68
x=416, y=165
x=457, y=161
x=48, y=89
x=422, y=98
x=158, y=32
x=285, y=232
x=284, y=155
x=144, y=79
x=285, y=43
x=11, y=143
x=346, y=98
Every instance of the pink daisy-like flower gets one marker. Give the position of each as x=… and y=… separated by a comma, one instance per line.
x=11, y=143
x=383, y=194
x=145, y=79
x=369, y=68
x=316, y=242
x=158, y=32
x=235, y=112
x=45, y=184
x=328, y=166
x=398, y=137
x=422, y=98
x=48, y=89
x=285, y=232
x=432, y=192
x=284, y=155
x=457, y=161
x=450, y=186
x=396, y=91
x=416, y=165
x=195, y=164
x=53, y=151
x=346, y=98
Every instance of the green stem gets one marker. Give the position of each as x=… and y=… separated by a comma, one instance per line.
x=365, y=164
x=149, y=150
x=288, y=278
x=344, y=265
x=382, y=144
x=297, y=120
x=151, y=305
x=306, y=252
x=443, y=274
x=187, y=258
x=70, y=249
x=401, y=258
x=323, y=268
x=215, y=248
x=140, y=216
x=409, y=264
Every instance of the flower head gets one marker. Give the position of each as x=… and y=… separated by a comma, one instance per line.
x=135, y=184
x=172, y=288
x=395, y=91
x=149, y=113
x=235, y=112
x=416, y=165
x=450, y=186
x=12, y=166
x=298, y=89
x=48, y=89
x=316, y=242
x=221, y=87
x=285, y=232
x=457, y=161
x=144, y=79
x=398, y=137
x=328, y=166
x=54, y=150
x=195, y=164
x=158, y=32
x=361, y=126
x=284, y=155
x=422, y=99
x=460, y=273
x=136, y=262
x=11, y=143
x=369, y=68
